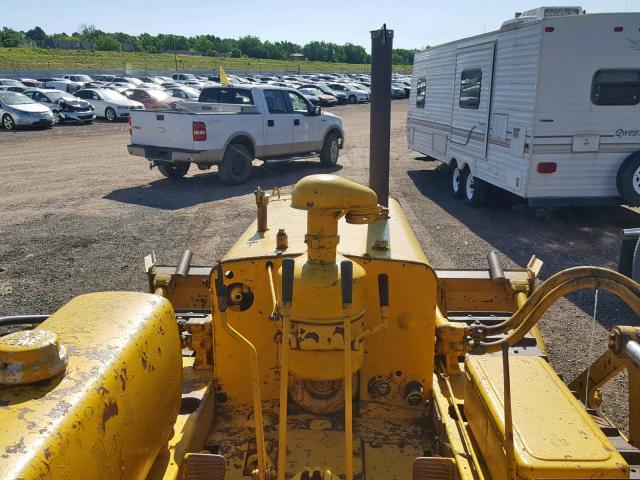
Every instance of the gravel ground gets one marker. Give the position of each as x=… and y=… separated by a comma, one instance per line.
x=79, y=214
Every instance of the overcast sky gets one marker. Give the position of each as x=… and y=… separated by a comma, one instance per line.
x=416, y=22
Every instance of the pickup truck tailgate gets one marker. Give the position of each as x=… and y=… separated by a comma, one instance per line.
x=162, y=129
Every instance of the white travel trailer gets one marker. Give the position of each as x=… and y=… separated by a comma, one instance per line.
x=547, y=107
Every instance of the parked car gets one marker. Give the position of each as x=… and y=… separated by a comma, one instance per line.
x=354, y=95
x=324, y=99
x=108, y=103
x=60, y=84
x=30, y=82
x=341, y=96
x=104, y=78
x=184, y=92
x=151, y=98
x=17, y=110
x=65, y=107
x=15, y=85
x=183, y=77
x=310, y=96
x=78, y=78
x=274, y=122
x=13, y=89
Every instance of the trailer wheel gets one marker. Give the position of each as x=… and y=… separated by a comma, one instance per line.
x=628, y=179
x=235, y=168
x=174, y=170
x=475, y=190
x=457, y=176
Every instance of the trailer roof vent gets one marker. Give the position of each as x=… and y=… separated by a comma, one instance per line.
x=538, y=14
x=547, y=12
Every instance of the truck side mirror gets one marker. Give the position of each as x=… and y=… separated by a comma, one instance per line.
x=317, y=111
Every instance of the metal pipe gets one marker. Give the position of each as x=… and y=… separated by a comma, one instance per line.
x=346, y=275
x=380, y=137
x=495, y=268
x=288, y=266
x=508, y=415
x=272, y=290
x=461, y=426
x=160, y=291
x=221, y=293
x=383, y=296
x=14, y=320
x=262, y=203
x=632, y=349
x=184, y=264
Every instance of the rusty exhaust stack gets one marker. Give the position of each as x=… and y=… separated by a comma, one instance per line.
x=380, y=137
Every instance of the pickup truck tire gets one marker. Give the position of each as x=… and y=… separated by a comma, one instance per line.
x=628, y=179
x=235, y=168
x=174, y=170
x=330, y=150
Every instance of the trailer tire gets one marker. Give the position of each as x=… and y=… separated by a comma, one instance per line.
x=475, y=190
x=628, y=179
x=235, y=168
x=174, y=170
x=330, y=150
x=455, y=180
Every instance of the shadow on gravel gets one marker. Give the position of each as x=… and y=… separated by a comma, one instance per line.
x=561, y=237
x=167, y=194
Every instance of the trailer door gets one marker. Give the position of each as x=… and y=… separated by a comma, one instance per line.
x=472, y=99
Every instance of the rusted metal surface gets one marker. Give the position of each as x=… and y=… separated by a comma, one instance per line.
x=94, y=420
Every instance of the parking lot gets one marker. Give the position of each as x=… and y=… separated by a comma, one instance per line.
x=79, y=214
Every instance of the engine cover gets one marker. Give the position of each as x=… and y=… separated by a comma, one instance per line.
x=108, y=414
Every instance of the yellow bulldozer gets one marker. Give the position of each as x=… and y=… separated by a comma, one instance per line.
x=322, y=346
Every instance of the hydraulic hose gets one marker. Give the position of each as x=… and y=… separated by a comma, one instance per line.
x=553, y=282
x=599, y=278
x=14, y=320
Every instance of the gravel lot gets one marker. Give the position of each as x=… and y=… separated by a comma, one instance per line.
x=79, y=214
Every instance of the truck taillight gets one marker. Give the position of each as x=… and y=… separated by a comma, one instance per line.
x=129, y=125
x=199, y=132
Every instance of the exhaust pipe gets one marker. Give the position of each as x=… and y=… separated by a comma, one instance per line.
x=380, y=136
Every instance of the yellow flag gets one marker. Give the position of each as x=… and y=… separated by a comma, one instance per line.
x=223, y=77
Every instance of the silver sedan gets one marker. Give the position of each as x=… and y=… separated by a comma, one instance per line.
x=17, y=109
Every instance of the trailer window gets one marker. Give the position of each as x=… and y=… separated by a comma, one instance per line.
x=470, y=84
x=421, y=92
x=616, y=87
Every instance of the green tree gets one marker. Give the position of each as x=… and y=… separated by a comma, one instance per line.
x=10, y=38
x=108, y=43
x=36, y=33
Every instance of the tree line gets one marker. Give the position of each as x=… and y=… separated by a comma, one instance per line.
x=211, y=45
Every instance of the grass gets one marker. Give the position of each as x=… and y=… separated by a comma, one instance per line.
x=18, y=60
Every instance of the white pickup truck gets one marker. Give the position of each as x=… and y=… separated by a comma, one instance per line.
x=232, y=125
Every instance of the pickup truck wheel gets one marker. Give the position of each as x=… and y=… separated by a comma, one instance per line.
x=235, y=168
x=628, y=179
x=174, y=170
x=330, y=150
x=110, y=114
